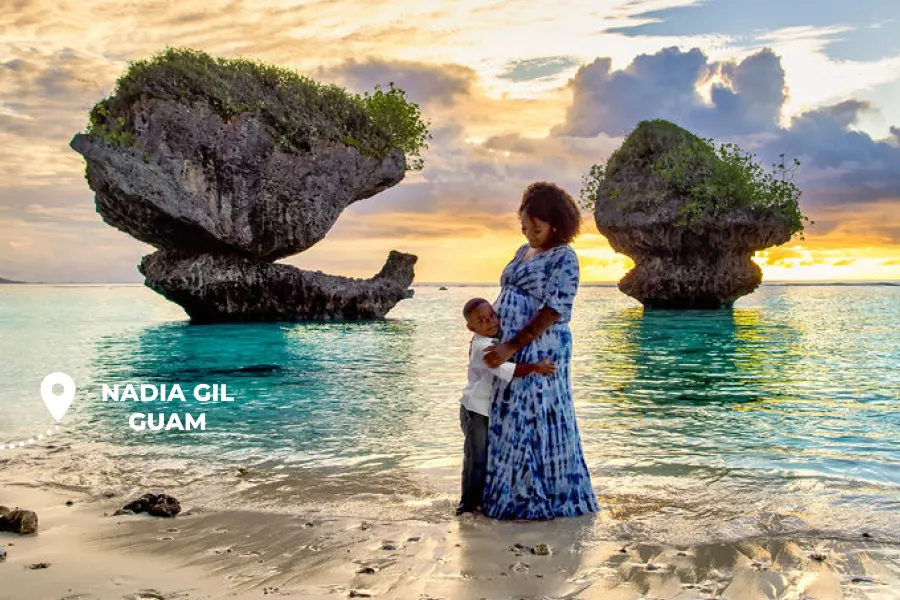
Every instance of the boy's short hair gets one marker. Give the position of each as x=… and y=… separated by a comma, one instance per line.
x=552, y=204
x=471, y=305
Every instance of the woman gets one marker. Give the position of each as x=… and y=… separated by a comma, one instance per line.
x=536, y=467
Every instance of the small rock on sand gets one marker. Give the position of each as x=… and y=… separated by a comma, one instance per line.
x=388, y=546
x=2, y=553
x=40, y=565
x=361, y=594
x=541, y=550
x=158, y=505
x=24, y=522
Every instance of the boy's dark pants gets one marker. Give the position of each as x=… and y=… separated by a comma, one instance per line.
x=475, y=428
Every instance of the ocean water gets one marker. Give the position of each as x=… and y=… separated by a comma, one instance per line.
x=780, y=416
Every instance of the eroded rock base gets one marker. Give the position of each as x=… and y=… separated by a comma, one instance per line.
x=214, y=288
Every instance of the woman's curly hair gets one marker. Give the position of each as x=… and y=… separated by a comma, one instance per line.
x=552, y=204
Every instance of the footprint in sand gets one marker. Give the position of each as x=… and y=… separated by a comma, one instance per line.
x=862, y=580
x=145, y=595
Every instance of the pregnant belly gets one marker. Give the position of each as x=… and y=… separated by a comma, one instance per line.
x=515, y=309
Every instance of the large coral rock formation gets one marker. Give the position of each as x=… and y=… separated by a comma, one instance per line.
x=197, y=183
x=704, y=264
x=227, y=166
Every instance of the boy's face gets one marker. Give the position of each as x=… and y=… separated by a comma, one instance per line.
x=483, y=321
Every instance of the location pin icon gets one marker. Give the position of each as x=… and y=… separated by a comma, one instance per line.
x=57, y=404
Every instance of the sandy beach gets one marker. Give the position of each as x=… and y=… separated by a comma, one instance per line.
x=205, y=554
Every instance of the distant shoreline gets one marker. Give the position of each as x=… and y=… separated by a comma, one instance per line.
x=609, y=284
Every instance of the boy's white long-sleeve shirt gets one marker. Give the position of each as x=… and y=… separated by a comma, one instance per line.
x=477, y=395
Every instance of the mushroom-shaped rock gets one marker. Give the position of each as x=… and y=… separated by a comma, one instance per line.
x=226, y=165
x=691, y=250
x=212, y=155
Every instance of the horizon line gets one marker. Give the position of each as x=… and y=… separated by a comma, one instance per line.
x=495, y=283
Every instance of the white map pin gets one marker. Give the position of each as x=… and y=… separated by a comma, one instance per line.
x=58, y=404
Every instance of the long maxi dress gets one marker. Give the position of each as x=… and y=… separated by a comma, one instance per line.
x=536, y=467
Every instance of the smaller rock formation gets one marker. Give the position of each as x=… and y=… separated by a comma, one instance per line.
x=691, y=250
x=24, y=522
x=158, y=505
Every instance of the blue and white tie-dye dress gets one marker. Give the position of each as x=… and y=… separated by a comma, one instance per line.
x=536, y=468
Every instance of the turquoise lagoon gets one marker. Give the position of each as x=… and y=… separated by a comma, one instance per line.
x=779, y=417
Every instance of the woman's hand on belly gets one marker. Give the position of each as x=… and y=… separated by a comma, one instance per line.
x=496, y=355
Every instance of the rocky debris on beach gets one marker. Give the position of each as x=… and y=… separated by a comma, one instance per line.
x=688, y=252
x=24, y=522
x=157, y=505
x=2, y=553
x=225, y=166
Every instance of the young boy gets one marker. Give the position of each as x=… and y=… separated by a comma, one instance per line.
x=475, y=404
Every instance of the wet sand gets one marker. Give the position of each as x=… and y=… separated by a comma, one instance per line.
x=248, y=554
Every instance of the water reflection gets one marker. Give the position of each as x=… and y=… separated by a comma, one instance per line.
x=332, y=393
x=692, y=358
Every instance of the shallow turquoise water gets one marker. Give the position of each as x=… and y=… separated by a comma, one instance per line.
x=782, y=415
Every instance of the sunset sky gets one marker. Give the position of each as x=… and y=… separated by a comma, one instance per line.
x=516, y=91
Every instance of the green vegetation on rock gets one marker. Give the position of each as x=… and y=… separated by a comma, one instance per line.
x=299, y=112
x=660, y=161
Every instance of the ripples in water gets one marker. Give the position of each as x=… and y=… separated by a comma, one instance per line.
x=782, y=414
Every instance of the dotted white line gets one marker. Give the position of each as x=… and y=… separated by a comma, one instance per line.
x=30, y=441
